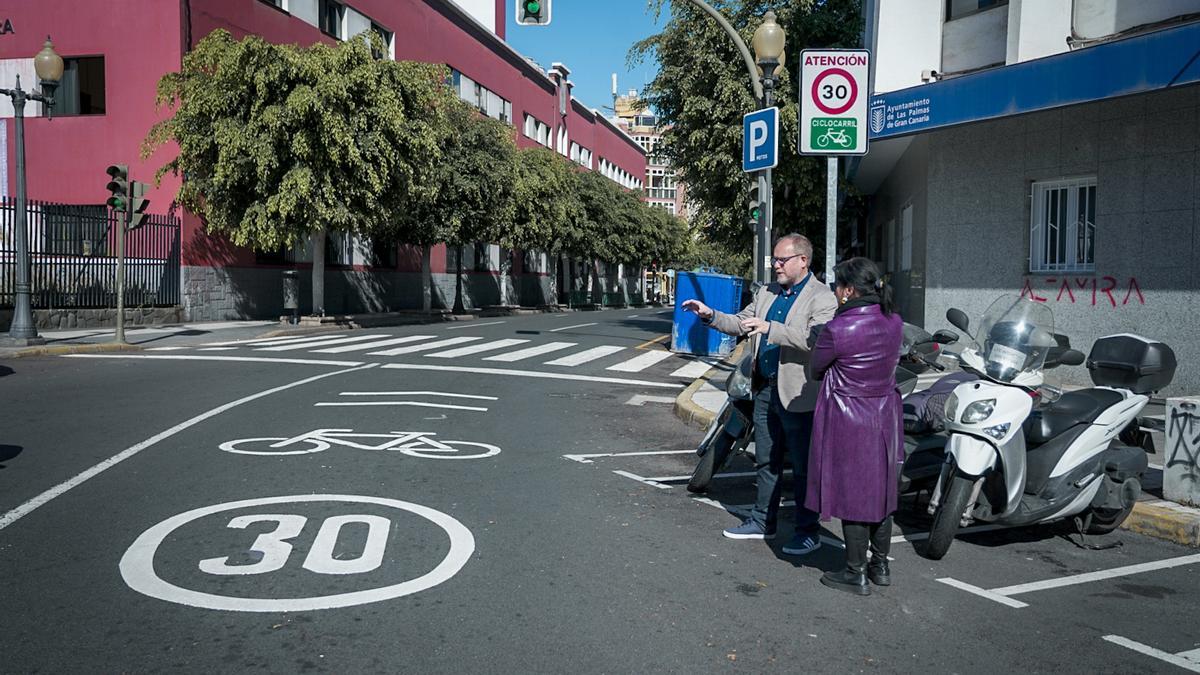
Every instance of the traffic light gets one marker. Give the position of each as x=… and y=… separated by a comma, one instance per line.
x=137, y=204
x=118, y=185
x=756, y=208
x=533, y=12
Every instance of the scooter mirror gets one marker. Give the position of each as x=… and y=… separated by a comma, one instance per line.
x=958, y=319
x=945, y=337
x=1071, y=357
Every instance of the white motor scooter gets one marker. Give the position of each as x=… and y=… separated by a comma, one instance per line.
x=1010, y=463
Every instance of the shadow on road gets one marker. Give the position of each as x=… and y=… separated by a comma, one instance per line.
x=7, y=452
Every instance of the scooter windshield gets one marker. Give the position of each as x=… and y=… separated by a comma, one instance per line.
x=1016, y=334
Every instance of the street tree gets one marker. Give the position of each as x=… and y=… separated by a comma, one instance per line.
x=547, y=206
x=279, y=143
x=701, y=92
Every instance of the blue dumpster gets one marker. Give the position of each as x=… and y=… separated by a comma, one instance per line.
x=690, y=335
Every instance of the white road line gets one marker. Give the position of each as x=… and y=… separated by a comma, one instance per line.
x=528, y=373
x=633, y=316
x=427, y=346
x=642, y=480
x=171, y=349
x=529, y=352
x=29, y=506
x=417, y=393
x=188, y=357
x=983, y=593
x=1180, y=660
x=587, y=459
x=1190, y=655
x=642, y=399
x=475, y=325
x=642, y=362
x=582, y=325
x=921, y=536
x=693, y=369
x=410, y=404
x=372, y=345
x=475, y=349
x=318, y=343
x=1125, y=571
x=266, y=341
x=212, y=349
x=585, y=356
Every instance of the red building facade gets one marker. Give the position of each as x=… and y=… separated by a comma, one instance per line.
x=121, y=48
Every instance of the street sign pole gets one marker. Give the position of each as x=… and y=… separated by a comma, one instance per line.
x=760, y=154
x=831, y=181
x=120, y=225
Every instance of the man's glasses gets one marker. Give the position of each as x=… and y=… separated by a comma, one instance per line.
x=780, y=261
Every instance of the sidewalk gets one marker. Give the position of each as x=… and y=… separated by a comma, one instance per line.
x=1153, y=516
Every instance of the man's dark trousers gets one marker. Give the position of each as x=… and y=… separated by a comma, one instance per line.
x=779, y=433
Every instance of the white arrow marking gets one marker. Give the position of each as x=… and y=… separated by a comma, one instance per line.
x=642, y=399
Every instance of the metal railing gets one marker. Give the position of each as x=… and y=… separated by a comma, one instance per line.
x=73, y=257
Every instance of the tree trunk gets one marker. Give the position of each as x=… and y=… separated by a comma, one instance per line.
x=459, y=308
x=426, y=280
x=318, y=273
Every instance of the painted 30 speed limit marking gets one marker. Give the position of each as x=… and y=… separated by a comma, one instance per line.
x=273, y=549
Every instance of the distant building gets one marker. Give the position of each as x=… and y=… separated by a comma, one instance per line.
x=663, y=190
x=1046, y=148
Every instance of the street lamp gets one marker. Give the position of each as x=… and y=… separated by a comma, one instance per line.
x=49, y=68
x=768, y=52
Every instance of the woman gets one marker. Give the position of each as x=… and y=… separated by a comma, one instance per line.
x=857, y=444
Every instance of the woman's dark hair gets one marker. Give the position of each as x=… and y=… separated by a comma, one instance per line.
x=863, y=275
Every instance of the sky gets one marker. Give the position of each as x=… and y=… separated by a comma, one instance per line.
x=592, y=38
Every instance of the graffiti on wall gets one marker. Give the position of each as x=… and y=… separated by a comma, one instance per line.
x=1096, y=291
x=1185, y=450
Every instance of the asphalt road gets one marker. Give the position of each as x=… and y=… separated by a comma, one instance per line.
x=506, y=515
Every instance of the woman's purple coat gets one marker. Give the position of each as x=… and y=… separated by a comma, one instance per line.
x=858, y=428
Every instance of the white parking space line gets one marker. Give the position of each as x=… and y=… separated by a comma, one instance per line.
x=587, y=459
x=530, y=352
x=983, y=593
x=508, y=372
x=475, y=349
x=25, y=509
x=372, y=345
x=1185, y=662
x=693, y=369
x=921, y=536
x=418, y=393
x=171, y=349
x=642, y=399
x=294, y=346
x=214, y=349
x=191, y=357
x=425, y=347
x=585, y=356
x=406, y=404
x=475, y=325
x=642, y=480
x=582, y=325
x=642, y=362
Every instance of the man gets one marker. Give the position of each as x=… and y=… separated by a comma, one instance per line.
x=779, y=321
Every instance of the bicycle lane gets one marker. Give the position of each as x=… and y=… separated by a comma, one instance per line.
x=174, y=539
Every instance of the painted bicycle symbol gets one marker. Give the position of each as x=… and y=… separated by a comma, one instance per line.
x=838, y=137
x=412, y=443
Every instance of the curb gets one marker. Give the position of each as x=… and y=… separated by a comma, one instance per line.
x=58, y=350
x=1165, y=520
x=687, y=410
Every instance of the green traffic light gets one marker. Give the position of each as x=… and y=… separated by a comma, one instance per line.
x=533, y=6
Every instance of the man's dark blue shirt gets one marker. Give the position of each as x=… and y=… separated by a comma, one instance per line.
x=768, y=354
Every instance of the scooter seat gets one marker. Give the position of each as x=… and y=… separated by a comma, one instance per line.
x=1074, y=407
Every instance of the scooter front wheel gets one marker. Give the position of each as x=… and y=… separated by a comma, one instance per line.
x=710, y=463
x=948, y=515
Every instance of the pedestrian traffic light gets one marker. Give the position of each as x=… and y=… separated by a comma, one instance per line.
x=137, y=204
x=533, y=12
x=755, y=209
x=118, y=185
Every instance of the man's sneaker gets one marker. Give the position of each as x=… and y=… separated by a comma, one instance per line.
x=749, y=530
x=802, y=544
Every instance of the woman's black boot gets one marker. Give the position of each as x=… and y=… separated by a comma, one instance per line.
x=881, y=541
x=853, y=579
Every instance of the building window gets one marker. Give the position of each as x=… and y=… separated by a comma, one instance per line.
x=81, y=90
x=330, y=13
x=275, y=3
x=482, y=258
x=383, y=253
x=1062, y=226
x=956, y=9
x=387, y=41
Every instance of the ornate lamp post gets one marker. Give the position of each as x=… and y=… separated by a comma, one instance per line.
x=768, y=52
x=49, y=68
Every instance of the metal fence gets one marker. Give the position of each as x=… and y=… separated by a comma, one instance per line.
x=73, y=257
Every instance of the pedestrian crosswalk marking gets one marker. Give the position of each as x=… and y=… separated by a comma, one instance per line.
x=373, y=345
x=409, y=349
x=585, y=356
x=692, y=369
x=321, y=342
x=475, y=349
x=530, y=352
x=642, y=362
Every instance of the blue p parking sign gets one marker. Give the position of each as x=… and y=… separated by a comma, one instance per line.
x=760, y=140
